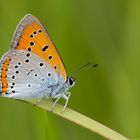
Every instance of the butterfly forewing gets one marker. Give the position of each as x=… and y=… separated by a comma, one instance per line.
x=31, y=36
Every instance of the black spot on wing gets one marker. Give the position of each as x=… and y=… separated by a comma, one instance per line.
x=31, y=43
x=45, y=48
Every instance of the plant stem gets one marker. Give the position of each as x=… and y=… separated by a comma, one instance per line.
x=83, y=121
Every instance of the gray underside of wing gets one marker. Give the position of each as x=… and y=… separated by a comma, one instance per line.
x=28, y=76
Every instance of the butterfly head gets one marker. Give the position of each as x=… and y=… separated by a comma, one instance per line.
x=70, y=81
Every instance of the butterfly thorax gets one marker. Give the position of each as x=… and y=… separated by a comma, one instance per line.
x=62, y=88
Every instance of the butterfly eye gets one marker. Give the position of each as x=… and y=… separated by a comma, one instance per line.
x=71, y=81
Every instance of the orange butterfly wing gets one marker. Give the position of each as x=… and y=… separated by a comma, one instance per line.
x=32, y=36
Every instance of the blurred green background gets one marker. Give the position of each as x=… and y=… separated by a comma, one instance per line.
x=104, y=31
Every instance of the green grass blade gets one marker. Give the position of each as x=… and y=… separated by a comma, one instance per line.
x=83, y=121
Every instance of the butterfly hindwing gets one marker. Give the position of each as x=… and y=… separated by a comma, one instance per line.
x=27, y=75
x=32, y=36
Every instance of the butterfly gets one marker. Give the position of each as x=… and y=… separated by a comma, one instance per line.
x=33, y=68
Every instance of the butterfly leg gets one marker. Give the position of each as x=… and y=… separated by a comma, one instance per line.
x=39, y=101
x=68, y=94
x=66, y=98
x=57, y=99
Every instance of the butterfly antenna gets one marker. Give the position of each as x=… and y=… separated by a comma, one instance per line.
x=88, y=65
